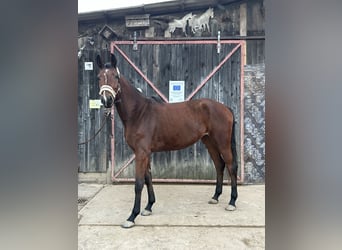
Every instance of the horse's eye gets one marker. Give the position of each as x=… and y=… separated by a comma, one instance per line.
x=117, y=77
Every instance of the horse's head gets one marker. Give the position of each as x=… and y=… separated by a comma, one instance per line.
x=109, y=77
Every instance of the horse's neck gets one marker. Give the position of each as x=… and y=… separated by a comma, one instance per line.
x=130, y=102
x=205, y=16
x=185, y=18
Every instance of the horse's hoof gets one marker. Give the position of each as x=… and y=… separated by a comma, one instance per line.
x=230, y=208
x=146, y=213
x=213, y=201
x=128, y=224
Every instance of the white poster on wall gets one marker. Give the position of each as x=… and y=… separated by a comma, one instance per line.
x=95, y=104
x=88, y=65
x=176, y=91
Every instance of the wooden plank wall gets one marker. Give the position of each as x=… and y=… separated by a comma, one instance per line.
x=191, y=63
x=161, y=64
x=255, y=27
x=93, y=156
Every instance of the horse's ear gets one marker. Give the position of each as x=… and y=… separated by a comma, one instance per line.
x=113, y=60
x=99, y=62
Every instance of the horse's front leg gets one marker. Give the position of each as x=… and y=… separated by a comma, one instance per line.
x=141, y=162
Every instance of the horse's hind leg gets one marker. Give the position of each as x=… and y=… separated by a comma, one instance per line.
x=232, y=170
x=150, y=192
x=219, y=166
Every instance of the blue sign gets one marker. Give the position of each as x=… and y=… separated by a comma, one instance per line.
x=176, y=91
x=176, y=87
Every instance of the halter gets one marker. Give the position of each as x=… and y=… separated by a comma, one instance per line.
x=107, y=87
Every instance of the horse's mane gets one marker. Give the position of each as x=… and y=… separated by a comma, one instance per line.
x=157, y=99
x=153, y=98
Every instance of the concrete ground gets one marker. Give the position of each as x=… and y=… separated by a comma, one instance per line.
x=181, y=219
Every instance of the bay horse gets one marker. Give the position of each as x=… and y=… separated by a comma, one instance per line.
x=151, y=126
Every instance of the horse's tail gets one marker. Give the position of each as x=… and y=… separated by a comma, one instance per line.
x=233, y=146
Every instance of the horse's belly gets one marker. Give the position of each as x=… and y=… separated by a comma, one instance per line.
x=176, y=138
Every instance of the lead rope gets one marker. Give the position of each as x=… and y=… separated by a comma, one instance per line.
x=103, y=123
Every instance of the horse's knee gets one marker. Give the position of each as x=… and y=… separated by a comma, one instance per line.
x=139, y=185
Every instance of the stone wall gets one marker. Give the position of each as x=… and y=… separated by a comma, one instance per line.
x=254, y=131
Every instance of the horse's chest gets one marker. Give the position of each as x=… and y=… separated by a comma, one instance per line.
x=136, y=138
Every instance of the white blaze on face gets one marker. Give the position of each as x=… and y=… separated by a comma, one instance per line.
x=106, y=82
x=105, y=75
x=107, y=87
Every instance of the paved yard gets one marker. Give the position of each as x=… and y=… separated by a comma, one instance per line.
x=181, y=219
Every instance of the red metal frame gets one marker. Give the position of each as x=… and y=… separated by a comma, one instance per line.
x=241, y=45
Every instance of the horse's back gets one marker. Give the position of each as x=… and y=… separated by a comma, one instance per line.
x=203, y=109
x=205, y=113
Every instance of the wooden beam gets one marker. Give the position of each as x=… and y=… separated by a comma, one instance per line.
x=243, y=19
x=243, y=27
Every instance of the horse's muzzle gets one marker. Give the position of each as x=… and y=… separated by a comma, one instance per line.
x=107, y=101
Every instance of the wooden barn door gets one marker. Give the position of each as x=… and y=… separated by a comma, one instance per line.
x=150, y=65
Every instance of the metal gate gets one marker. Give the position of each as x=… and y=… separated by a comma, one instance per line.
x=218, y=68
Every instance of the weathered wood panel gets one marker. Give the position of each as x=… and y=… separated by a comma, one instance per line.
x=255, y=18
x=255, y=52
x=94, y=155
x=191, y=63
x=188, y=63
